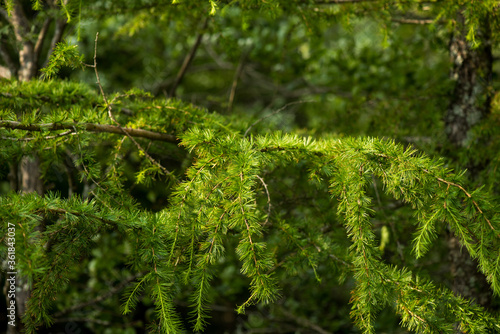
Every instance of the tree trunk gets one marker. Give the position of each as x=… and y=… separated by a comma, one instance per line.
x=26, y=177
x=30, y=177
x=472, y=71
x=27, y=59
x=470, y=104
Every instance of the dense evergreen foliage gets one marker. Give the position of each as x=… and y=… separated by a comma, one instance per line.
x=267, y=180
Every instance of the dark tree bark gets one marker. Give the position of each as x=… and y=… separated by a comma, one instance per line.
x=472, y=70
x=30, y=175
x=469, y=105
x=467, y=280
x=27, y=60
x=27, y=177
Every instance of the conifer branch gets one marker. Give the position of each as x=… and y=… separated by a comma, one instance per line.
x=90, y=127
x=44, y=289
x=473, y=201
x=268, y=199
x=62, y=134
x=85, y=320
x=89, y=176
x=79, y=214
x=407, y=310
x=213, y=238
x=303, y=252
x=112, y=117
x=237, y=75
x=181, y=205
x=249, y=234
x=5, y=15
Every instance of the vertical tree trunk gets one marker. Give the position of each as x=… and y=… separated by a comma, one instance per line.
x=30, y=176
x=27, y=175
x=472, y=70
x=27, y=59
x=470, y=104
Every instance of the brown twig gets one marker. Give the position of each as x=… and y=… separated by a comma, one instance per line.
x=90, y=127
x=268, y=199
x=449, y=183
x=5, y=15
x=44, y=138
x=237, y=74
x=411, y=313
x=469, y=196
x=79, y=214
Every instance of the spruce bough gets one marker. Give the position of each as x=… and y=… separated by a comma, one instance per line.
x=221, y=201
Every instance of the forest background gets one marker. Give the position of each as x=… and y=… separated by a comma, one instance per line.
x=404, y=80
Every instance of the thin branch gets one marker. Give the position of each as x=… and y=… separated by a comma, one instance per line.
x=100, y=298
x=110, y=114
x=43, y=138
x=99, y=80
x=90, y=127
x=188, y=59
x=412, y=314
x=268, y=199
x=473, y=201
x=237, y=74
x=336, y=258
x=273, y=113
x=449, y=183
